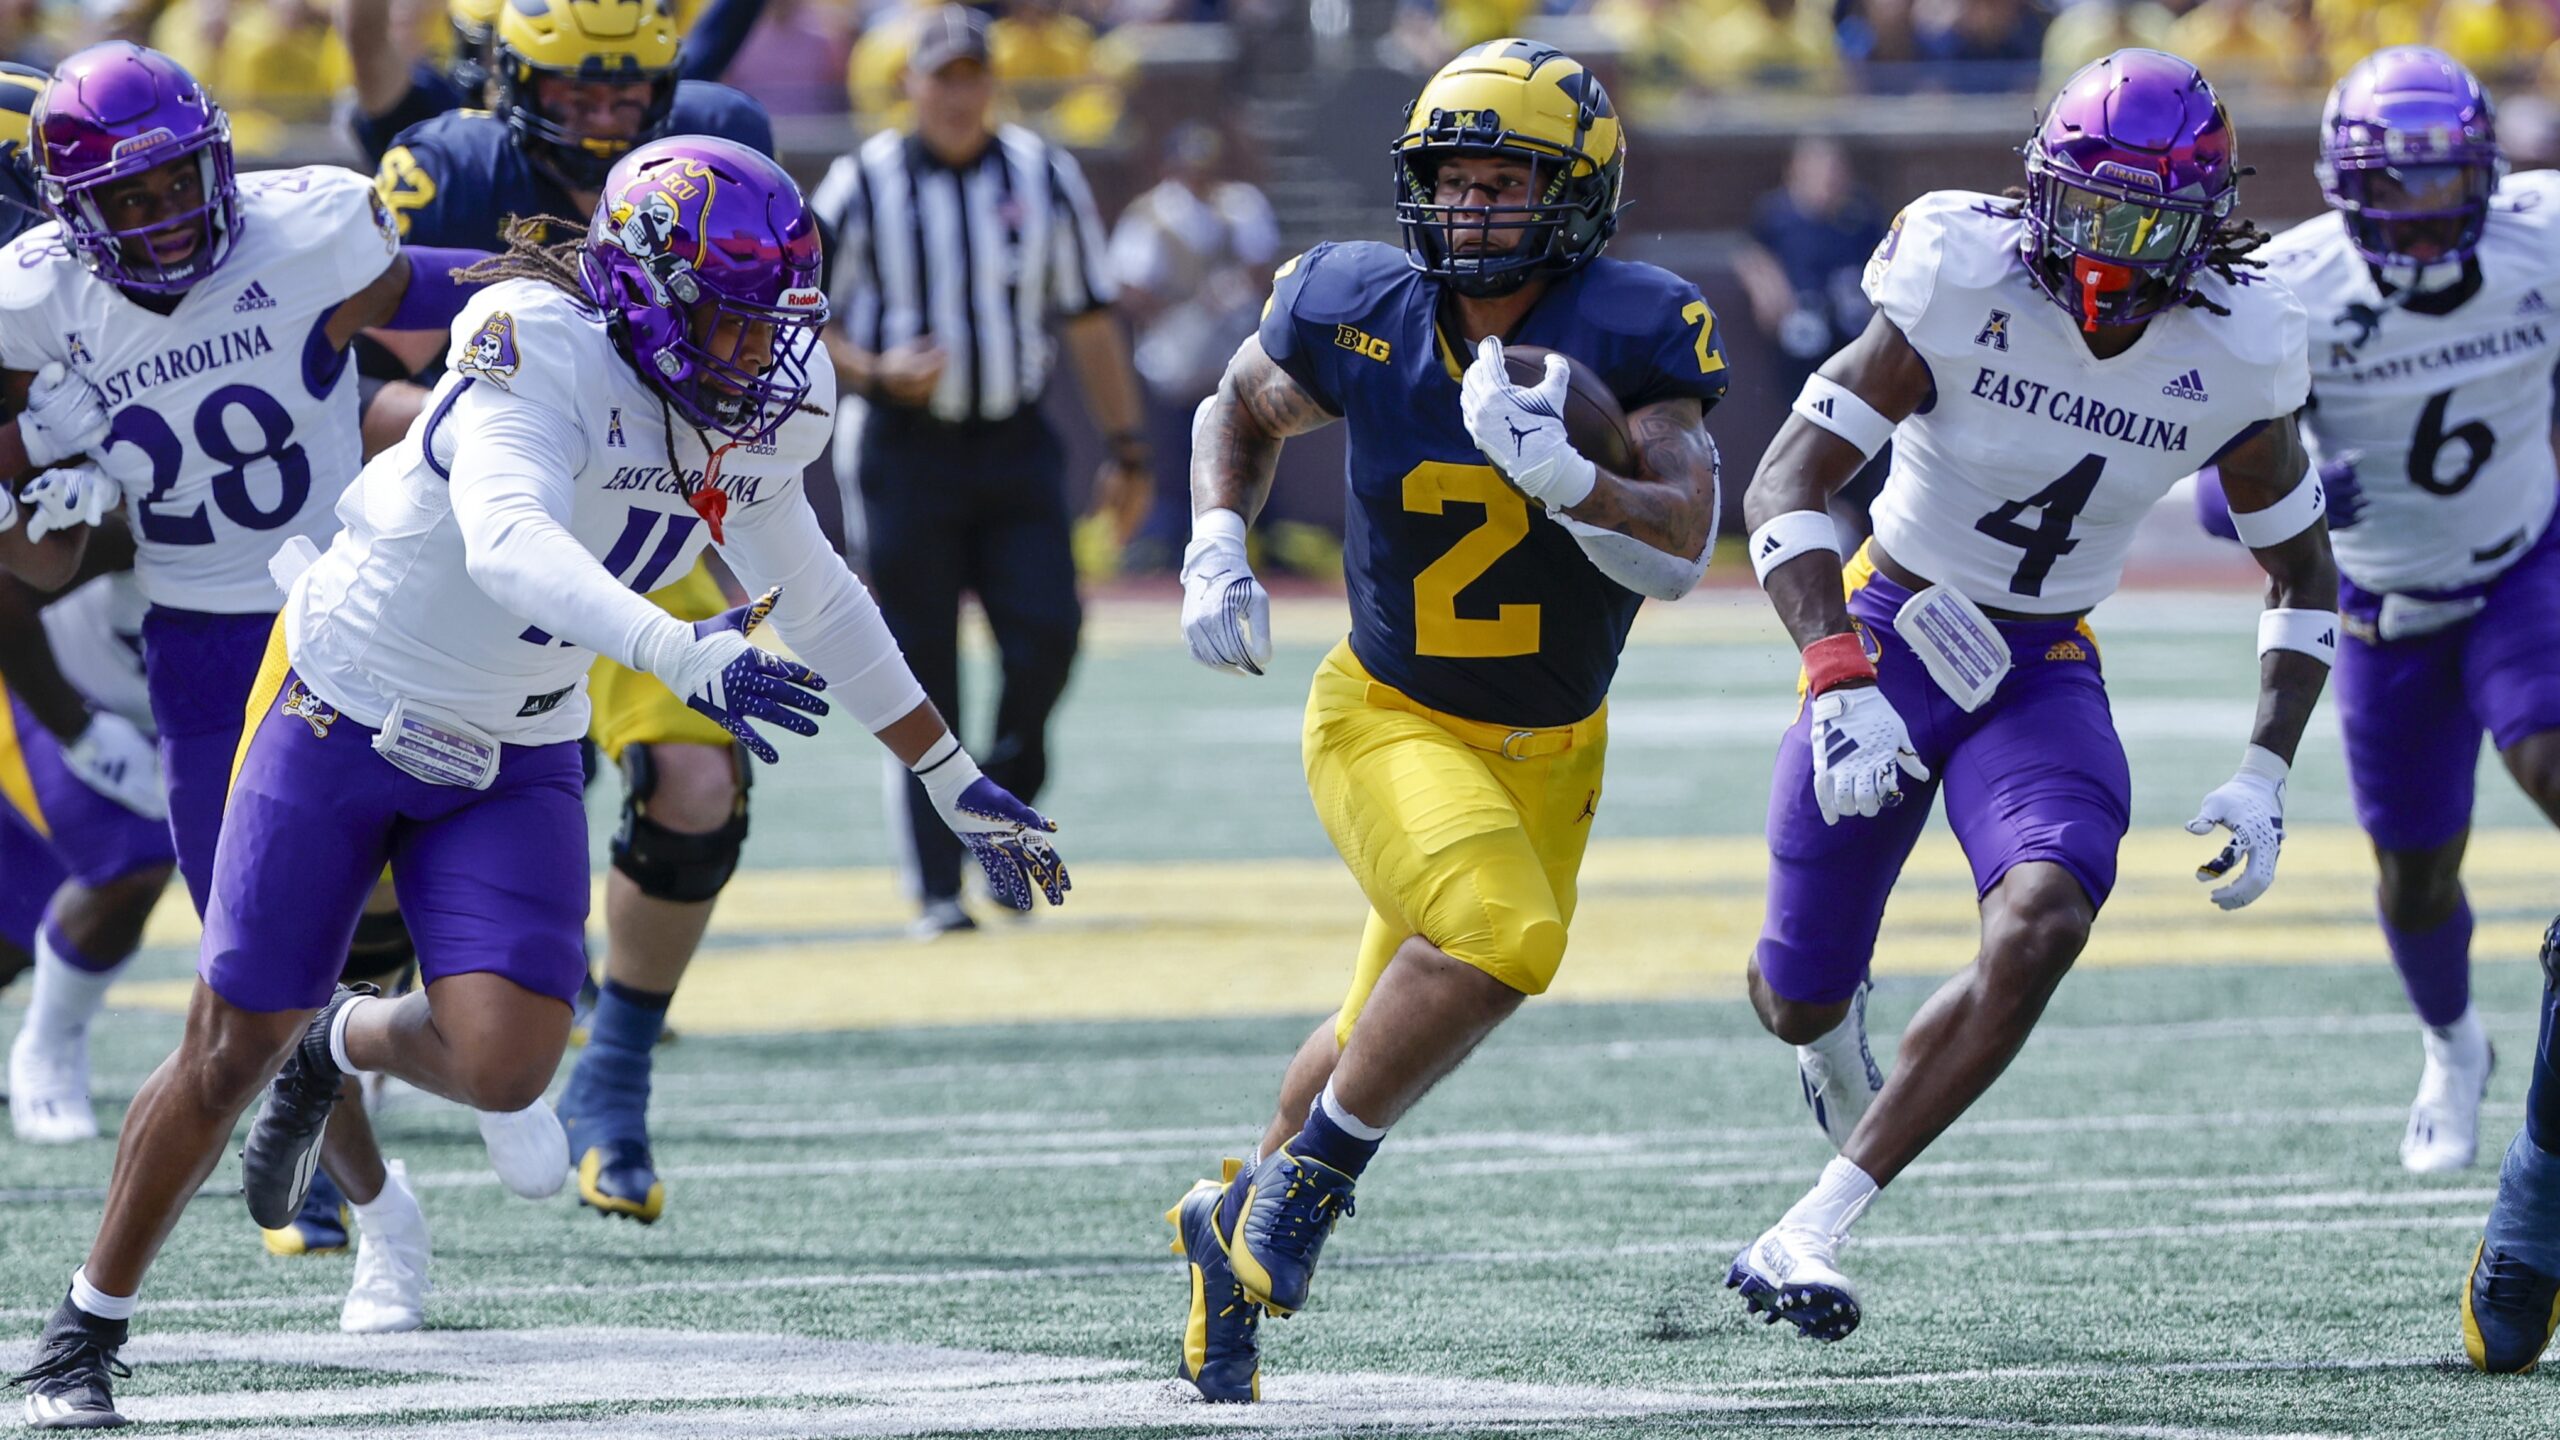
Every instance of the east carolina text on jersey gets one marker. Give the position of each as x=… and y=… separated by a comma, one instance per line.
x=1464, y=595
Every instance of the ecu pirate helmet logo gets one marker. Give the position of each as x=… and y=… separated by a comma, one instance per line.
x=646, y=222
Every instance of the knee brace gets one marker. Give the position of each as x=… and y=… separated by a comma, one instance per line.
x=381, y=950
x=670, y=864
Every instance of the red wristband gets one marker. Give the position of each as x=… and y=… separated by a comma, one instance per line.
x=1835, y=660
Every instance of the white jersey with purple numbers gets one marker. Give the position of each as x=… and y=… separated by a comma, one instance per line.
x=2020, y=482
x=2445, y=407
x=96, y=635
x=244, y=418
x=391, y=613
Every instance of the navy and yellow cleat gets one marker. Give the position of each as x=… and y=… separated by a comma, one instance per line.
x=1790, y=1274
x=617, y=1177
x=1221, y=1343
x=318, y=1228
x=1288, y=1205
x=2511, y=1298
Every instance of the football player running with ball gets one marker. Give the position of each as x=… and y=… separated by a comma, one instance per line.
x=2046, y=368
x=421, y=699
x=1453, y=742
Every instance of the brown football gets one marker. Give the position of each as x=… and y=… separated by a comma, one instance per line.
x=1593, y=419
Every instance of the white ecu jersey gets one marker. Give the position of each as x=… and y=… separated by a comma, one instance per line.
x=96, y=635
x=2020, y=482
x=243, y=416
x=391, y=613
x=2448, y=416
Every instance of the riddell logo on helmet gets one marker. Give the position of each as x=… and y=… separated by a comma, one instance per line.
x=151, y=139
x=806, y=297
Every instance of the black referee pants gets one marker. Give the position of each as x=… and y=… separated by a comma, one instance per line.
x=980, y=508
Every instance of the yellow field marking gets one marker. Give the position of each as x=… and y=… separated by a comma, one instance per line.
x=825, y=950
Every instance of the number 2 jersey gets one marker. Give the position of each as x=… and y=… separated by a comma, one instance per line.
x=243, y=413
x=2443, y=401
x=1464, y=595
x=2020, y=480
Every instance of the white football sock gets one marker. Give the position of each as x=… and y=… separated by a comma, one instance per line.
x=66, y=998
x=2465, y=1042
x=396, y=1207
x=1836, y=1200
x=95, y=1301
x=338, y=1034
x=1351, y=1125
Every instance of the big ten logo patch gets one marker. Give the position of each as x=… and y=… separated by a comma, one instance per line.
x=1360, y=342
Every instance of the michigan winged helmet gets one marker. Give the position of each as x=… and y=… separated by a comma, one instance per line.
x=1527, y=101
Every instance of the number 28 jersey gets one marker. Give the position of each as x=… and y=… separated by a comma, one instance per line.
x=2444, y=402
x=2021, y=479
x=1465, y=596
x=234, y=402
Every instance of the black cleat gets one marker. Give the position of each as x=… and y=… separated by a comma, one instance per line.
x=277, y=1159
x=67, y=1387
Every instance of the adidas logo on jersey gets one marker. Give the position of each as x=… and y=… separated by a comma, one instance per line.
x=2189, y=386
x=2533, y=304
x=253, y=298
x=2065, y=650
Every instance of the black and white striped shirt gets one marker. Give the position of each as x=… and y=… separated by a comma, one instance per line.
x=977, y=258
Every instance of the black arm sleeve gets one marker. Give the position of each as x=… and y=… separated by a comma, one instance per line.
x=716, y=37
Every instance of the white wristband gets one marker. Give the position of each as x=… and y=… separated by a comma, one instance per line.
x=1220, y=524
x=2267, y=765
x=1835, y=407
x=2304, y=503
x=1784, y=537
x=946, y=770
x=2309, y=632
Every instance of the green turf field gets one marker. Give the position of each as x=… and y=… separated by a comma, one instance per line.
x=917, y=1191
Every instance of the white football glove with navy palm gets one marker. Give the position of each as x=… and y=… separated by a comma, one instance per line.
x=1009, y=839
x=1226, y=614
x=1861, y=751
x=1522, y=431
x=720, y=673
x=2251, y=806
x=117, y=760
x=64, y=416
x=68, y=496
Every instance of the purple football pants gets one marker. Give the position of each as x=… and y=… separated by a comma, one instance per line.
x=2036, y=774
x=199, y=667
x=68, y=831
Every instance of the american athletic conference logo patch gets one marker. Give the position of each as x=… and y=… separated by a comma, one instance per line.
x=491, y=353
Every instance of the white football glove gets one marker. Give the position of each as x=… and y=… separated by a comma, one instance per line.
x=2251, y=806
x=67, y=496
x=1226, y=614
x=119, y=762
x=65, y=415
x=8, y=510
x=1861, y=751
x=1522, y=431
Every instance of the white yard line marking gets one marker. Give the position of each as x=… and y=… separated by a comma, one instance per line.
x=2477, y=1198
x=1905, y=1424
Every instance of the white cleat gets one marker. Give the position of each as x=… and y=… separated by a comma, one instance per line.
x=1792, y=1273
x=390, y=1290
x=1839, y=1074
x=49, y=1091
x=2444, y=1121
x=528, y=1149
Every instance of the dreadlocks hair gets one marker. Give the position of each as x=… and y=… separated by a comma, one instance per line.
x=530, y=254
x=2227, y=250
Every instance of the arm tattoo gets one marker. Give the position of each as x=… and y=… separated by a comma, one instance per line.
x=1236, y=435
x=1669, y=503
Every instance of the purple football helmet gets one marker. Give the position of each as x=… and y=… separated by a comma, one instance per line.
x=2131, y=170
x=2409, y=155
x=112, y=113
x=693, y=232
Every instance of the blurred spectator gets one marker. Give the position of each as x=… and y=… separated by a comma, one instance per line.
x=2091, y=28
x=2352, y=29
x=2244, y=44
x=1976, y=46
x=1193, y=260
x=2499, y=39
x=1428, y=32
x=1656, y=41
x=1768, y=44
x=1064, y=79
x=272, y=62
x=795, y=58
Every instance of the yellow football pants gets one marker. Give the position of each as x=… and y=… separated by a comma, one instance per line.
x=1467, y=834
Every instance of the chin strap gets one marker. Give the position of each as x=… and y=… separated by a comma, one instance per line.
x=707, y=499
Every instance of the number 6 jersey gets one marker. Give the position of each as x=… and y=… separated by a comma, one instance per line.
x=234, y=403
x=2020, y=481
x=2443, y=399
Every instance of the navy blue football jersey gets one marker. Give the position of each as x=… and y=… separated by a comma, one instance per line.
x=1464, y=595
x=455, y=179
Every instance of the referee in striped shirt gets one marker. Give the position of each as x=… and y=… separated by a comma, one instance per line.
x=952, y=249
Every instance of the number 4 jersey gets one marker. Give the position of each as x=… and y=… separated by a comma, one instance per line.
x=2443, y=400
x=1464, y=595
x=2020, y=481
x=234, y=401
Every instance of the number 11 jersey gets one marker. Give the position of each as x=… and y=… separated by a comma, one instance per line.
x=2022, y=477
x=2443, y=399
x=235, y=403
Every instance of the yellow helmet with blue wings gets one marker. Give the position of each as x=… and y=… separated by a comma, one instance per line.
x=612, y=40
x=20, y=207
x=475, y=28
x=1529, y=101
